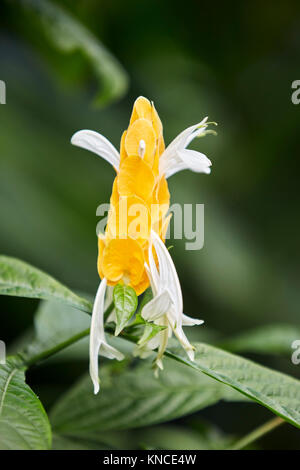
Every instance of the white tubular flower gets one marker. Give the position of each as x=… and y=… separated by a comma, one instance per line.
x=176, y=157
x=166, y=306
x=98, y=343
x=97, y=143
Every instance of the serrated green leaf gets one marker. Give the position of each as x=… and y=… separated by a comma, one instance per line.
x=23, y=420
x=23, y=280
x=67, y=34
x=135, y=398
x=267, y=339
x=125, y=300
x=278, y=392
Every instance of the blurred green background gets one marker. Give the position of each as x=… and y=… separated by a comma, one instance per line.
x=232, y=61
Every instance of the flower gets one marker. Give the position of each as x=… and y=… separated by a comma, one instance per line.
x=132, y=249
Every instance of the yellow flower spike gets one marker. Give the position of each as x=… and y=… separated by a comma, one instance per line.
x=129, y=217
x=123, y=260
x=101, y=246
x=157, y=124
x=162, y=194
x=141, y=130
x=123, y=153
x=141, y=109
x=136, y=178
x=114, y=198
x=133, y=251
x=142, y=285
x=162, y=191
x=159, y=150
x=160, y=203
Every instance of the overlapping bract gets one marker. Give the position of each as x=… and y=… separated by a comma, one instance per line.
x=139, y=201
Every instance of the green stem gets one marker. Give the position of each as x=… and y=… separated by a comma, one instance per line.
x=59, y=347
x=73, y=339
x=257, y=433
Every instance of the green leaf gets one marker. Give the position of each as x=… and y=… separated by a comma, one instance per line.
x=55, y=323
x=23, y=420
x=155, y=437
x=268, y=339
x=68, y=35
x=179, y=438
x=125, y=300
x=69, y=443
x=23, y=280
x=134, y=398
x=278, y=392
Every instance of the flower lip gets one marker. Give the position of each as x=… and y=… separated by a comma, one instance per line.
x=177, y=157
x=97, y=143
x=98, y=341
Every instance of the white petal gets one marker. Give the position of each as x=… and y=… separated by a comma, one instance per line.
x=163, y=341
x=154, y=286
x=180, y=142
x=97, y=143
x=182, y=138
x=168, y=275
x=176, y=158
x=110, y=352
x=193, y=158
x=189, y=349
x=196, y=133
x=189, y=160
x=97, y=336
x=153, y=270
x=191, y=354
x=97, y=333
x=157, y=307
x=189, y=321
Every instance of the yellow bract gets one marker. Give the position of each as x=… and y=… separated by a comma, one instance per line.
x=139, y=201
x=136, y=177
x=130, y=217
x=123, y=260
x=142, y=109
x=141, y=130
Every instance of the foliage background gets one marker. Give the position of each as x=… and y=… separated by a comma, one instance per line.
x=233, y=61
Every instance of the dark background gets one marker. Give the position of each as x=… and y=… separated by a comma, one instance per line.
x=232, y=61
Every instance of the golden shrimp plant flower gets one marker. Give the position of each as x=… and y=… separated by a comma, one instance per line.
x=132, y=250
